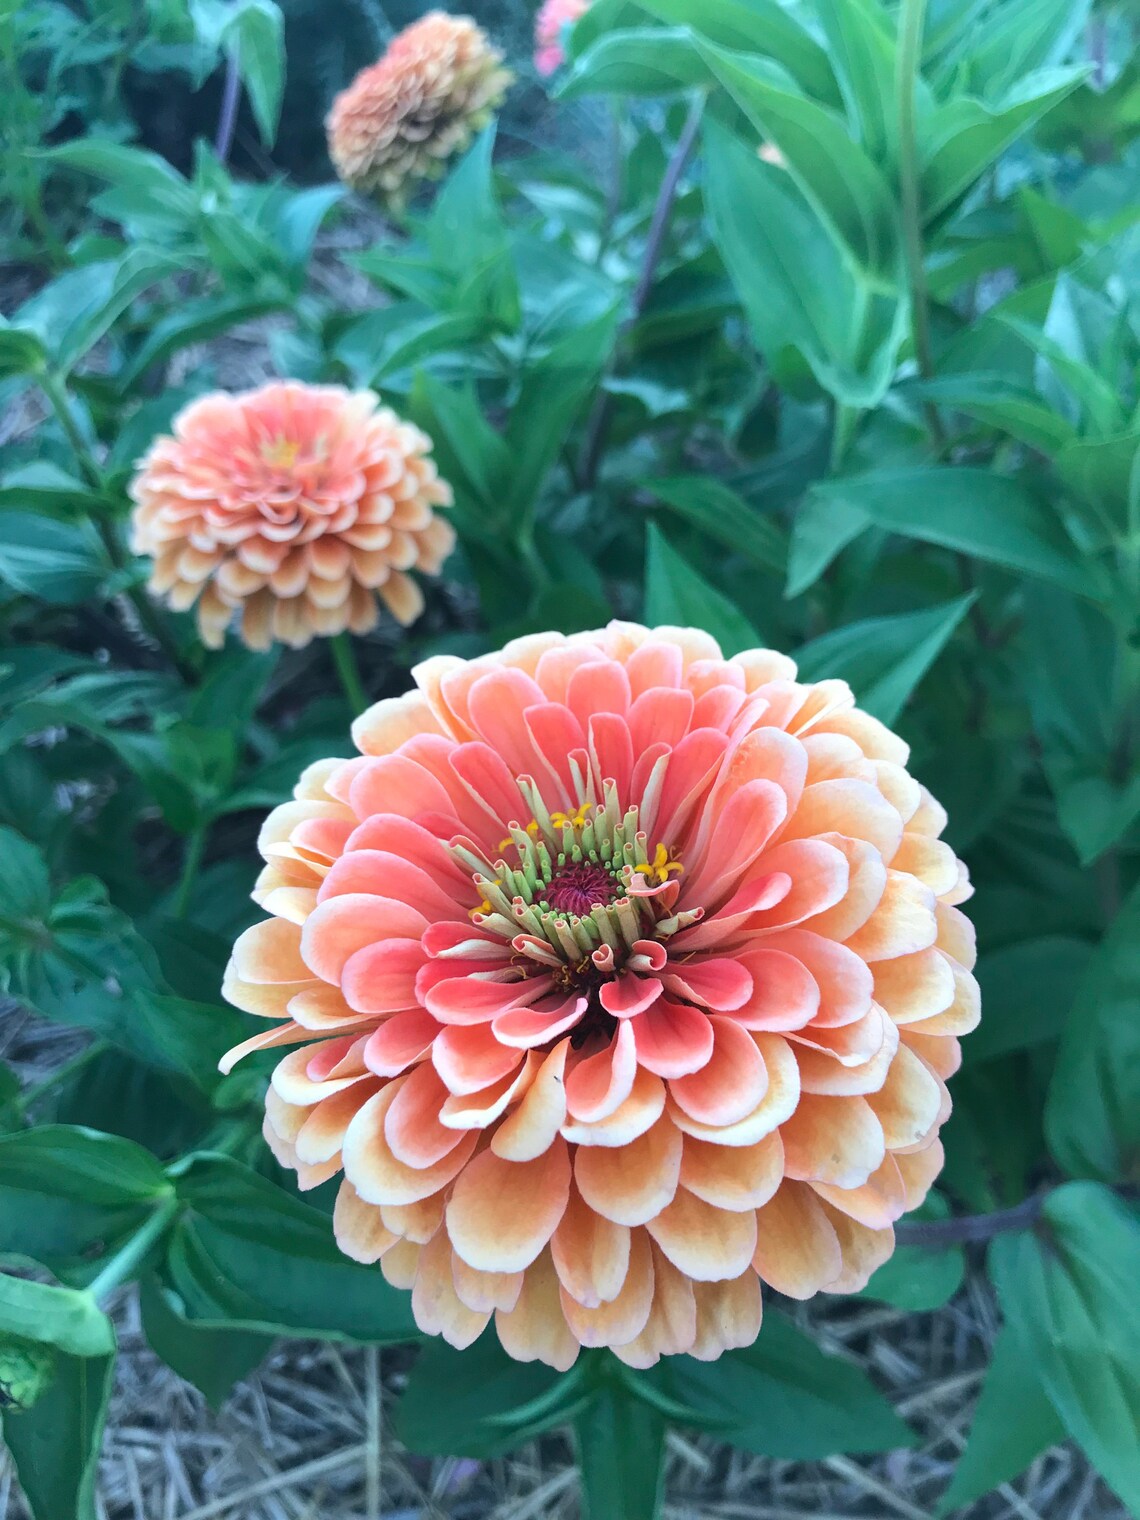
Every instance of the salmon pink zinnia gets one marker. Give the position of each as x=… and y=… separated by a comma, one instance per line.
x=403, y=117
x=550, y=24
x=295, y=505
x=622, y=976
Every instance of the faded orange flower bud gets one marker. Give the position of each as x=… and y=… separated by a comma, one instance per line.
x=293, y=505
x=400, y=119
x=553, y=18
x=620, y=977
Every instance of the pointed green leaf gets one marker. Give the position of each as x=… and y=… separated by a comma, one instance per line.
x=1092, y=1115
x=884, y=658
x=621, y=1454
x=1069, y=1297
x=675, y=594
x=1013, y=1423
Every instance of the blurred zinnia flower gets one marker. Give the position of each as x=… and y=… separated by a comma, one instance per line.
x=550, y=24
x=622, y=976
x=399, y=119
x=297, y=505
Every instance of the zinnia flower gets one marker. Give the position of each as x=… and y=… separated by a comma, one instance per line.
x=398, y=120
x=553, y=18
x=621, y=976
x=297, y=505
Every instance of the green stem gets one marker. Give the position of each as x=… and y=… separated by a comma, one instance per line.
x=192, y=861
x=27, y=1100
x=89, y=469
x=912, y=16
x=844, y=424
x=126, y=1261
x=349, y=672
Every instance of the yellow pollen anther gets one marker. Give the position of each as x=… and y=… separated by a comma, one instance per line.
x=532, y=829
x=660, y=868
x=280, y=453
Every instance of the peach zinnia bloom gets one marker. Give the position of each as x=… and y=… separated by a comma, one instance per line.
x=297, y=505
x=622, y=977
x=398, y=120
x=549, y=25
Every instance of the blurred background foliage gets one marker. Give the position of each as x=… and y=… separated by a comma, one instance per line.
x=870, y=397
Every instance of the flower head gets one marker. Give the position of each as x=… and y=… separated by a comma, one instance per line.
x=296, y=505
x=550, y=24
x=400, y=119
x=619, y=976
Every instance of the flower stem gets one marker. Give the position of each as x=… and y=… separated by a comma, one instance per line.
x=911, y=19
x=227, y=114
x=600, y=417
x=191, y=863
x=126, y=1261
x=349, y=672
x=973, y=1229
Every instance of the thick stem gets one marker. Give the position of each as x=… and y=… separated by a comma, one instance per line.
x=598, y=425
x=191, y=863
x=126, y=1262
x=912, y=18
x=227, y=113
x=349, y=672
x=844, y=424
x=975, y=1229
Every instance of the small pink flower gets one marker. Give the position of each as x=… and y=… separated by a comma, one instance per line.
x=549, y=29
x=295, y=506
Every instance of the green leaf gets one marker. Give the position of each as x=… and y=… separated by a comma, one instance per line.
x=783, y=1397
x=57, y=562
x=256, y=34
x=676, y=594
x=68, y=1194
x=55, y=1443
x=212, y=1359
x=884, y=658
x=21, y=352
x=824, y=526
x=620, y=1441
x=920, y=1278
x=638, y=61
x=1027, y=992
x=1092, y=1115
x=961, y=138
x=42, y=487
x=972, y=511
x=1014, y=1422
x=192, y=321
x=79, y=307
x=756, y=26
x=1069, y=1298
x=862, y=50
x=796, y=288
x=557, y=389
x=999, y=404
x=1078, y=714
x=837, y=177
x=479, y=1402
x=715, y=507
x=471, y=455
x=247, y=1252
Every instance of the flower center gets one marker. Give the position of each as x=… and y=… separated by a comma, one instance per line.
x=576, y=891
x=579, y=886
